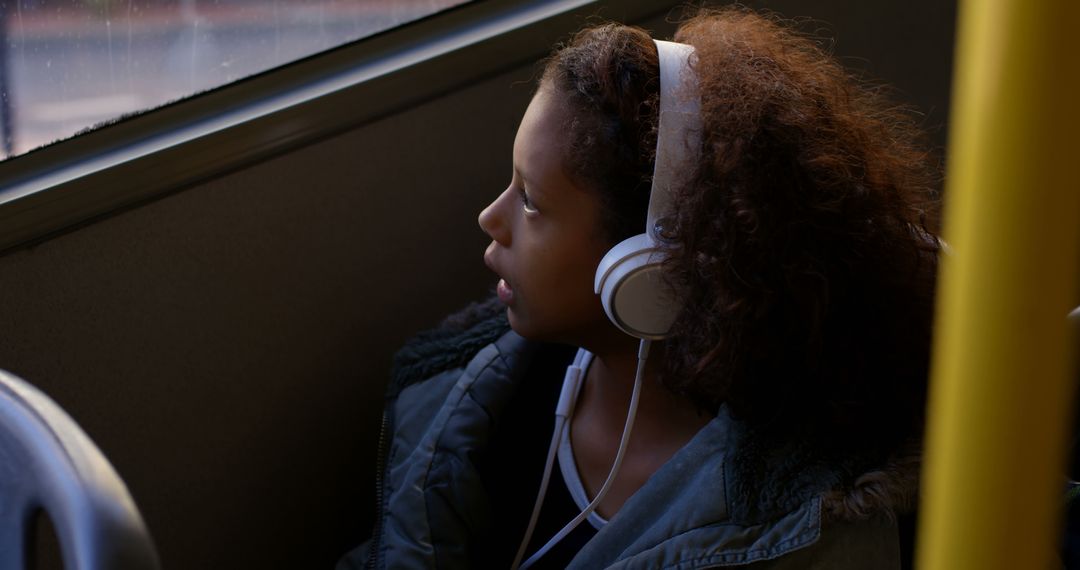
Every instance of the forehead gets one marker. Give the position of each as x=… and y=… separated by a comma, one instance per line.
x=540, y=140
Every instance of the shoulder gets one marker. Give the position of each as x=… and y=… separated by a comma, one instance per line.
x=734, y=498
x=867, y=497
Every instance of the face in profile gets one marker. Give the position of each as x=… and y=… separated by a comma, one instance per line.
x=546, y=237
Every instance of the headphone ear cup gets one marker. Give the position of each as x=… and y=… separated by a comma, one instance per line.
x=633, y=291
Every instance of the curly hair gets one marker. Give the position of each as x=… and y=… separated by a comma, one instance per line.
x=805, y=252
x=610, y=76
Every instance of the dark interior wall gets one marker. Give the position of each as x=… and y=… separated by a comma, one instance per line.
x=227, y=346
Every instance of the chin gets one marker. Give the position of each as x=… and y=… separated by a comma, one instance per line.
x=545, y=331
x=521, y=325
x=526, y=327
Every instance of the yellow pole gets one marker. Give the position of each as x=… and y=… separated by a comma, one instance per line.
x=1000, y=395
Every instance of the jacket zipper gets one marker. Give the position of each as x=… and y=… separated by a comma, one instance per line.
x=380, y=467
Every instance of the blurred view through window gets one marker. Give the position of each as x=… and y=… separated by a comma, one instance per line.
x=67, y=65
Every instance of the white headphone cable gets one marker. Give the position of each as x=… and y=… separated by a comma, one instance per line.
x=563, y=409
x=643, y=354
x=560, y=422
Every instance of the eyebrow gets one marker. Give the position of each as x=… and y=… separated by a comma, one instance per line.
x=523, y=178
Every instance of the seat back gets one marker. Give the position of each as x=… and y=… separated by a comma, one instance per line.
x=48, y=463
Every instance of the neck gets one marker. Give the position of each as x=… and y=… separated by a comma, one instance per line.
x=615, y=366
x=610, y=382
x=664, y=422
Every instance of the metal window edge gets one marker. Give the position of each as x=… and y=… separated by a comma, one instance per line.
x=60, y=187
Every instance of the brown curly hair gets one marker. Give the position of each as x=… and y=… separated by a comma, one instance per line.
x=805, y=251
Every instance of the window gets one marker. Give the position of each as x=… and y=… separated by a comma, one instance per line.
x=67, y=65
x=124, y=163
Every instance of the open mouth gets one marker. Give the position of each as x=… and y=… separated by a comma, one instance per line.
x=503, y=289
x=505, y=292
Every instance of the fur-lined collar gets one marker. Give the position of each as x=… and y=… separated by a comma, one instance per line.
x=451, y=345
x=781, y=475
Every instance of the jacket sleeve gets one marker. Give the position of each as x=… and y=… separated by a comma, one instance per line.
x=430, y=362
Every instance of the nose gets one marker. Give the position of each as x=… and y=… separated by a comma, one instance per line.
x=493, y=219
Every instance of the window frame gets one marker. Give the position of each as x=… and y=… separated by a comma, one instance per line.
x=60, y=187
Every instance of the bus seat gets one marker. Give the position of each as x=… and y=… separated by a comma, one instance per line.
x=47, y=463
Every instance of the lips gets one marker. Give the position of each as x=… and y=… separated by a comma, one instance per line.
x=505, y=292
x=503, y=289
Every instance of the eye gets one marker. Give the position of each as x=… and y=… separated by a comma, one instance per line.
x=526, y=203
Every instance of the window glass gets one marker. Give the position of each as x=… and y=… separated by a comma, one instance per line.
x=67, y=65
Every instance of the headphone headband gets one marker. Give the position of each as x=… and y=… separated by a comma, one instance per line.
x=678, y=130
x=629, y=278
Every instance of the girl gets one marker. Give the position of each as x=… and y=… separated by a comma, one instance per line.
x=779, y=419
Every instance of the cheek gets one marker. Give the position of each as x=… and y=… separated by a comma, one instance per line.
x=584, y=263
x=555, y=290
x=554, y=264
x=574, y=280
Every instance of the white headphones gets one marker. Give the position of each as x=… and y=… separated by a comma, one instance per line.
x=629, y=279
